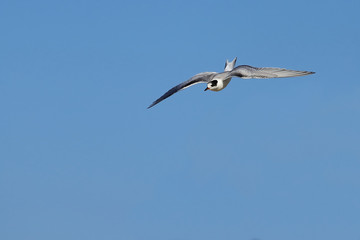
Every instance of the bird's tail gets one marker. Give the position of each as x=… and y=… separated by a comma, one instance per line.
x=230, y=65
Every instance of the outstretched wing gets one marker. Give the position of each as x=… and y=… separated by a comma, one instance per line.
x=198, y=78
x=245, y=71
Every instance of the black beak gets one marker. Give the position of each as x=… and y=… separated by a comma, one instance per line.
x=206, y=89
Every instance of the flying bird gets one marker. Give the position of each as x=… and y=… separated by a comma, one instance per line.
x=218, y=81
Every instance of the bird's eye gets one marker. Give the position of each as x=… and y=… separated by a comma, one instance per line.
x=214, y=83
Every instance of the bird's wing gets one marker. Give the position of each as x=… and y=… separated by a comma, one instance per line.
x=203, y=77
x=245, y=71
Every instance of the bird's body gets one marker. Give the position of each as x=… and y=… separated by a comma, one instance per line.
x=218, y=81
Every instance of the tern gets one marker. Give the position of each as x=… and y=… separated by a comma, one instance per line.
x=218, y=81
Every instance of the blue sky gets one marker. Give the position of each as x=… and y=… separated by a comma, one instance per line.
x=82, y=158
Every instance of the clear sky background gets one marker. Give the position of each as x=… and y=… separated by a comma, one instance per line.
x=82, y=158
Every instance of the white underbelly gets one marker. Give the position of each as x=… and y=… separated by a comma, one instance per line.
x=226, y=82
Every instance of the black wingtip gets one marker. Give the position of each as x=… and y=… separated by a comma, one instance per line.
x=153, y=104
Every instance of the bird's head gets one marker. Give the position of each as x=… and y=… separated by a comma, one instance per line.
x=214, y=85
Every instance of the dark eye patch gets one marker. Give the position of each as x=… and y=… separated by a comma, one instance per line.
x=214, y=83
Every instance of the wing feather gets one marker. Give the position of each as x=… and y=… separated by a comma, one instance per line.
x=198, y=78
x=247, y=72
